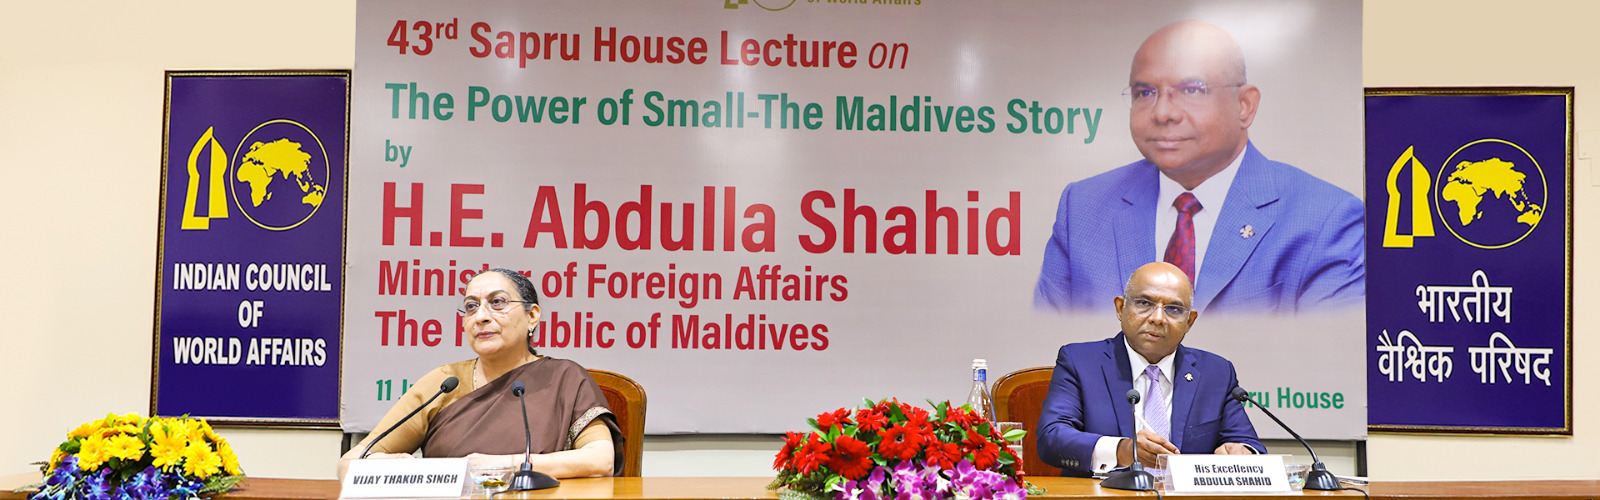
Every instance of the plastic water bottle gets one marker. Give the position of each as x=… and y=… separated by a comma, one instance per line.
x=979, y=399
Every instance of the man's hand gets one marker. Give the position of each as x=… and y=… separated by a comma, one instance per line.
x=1150, y=444
x=1234, y=449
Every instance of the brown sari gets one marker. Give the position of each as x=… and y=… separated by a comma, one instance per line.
x=561, y=399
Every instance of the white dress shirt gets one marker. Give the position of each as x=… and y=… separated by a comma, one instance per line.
x=1211, y=193
x=1104, y=457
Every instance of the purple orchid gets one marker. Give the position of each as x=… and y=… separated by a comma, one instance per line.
x=96, y=486
x=147, y=484
x=914, y=480
x=968, y=482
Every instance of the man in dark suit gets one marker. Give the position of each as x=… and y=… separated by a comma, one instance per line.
x=1252, y=234
x=1184, y=405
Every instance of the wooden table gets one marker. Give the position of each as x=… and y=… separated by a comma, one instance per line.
x=754, y=488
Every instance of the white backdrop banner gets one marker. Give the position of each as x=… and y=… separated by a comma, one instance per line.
x=764, y=209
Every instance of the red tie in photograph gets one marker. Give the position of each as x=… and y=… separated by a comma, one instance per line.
x=1180, y=250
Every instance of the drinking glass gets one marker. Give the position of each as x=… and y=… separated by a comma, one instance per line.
x=1015, y=446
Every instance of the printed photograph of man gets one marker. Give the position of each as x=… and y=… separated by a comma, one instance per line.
x=1255, y=236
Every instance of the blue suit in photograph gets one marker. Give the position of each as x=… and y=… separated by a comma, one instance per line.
x=1304, y=246
x=1086, y=402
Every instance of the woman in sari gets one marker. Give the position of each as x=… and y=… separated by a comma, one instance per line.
x=574, y=432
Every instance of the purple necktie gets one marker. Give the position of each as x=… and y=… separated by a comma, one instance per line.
x=1180, y=249
x=1155, y=410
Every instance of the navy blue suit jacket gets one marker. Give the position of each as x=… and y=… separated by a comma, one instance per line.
x=1305, y=247
x=1086, y=402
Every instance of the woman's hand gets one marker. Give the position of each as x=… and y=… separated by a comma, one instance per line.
x=391, y=455
x=355, y=454
x=591, y=460
x=479, y=460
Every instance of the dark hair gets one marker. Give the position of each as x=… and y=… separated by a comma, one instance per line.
x=524, y=286
x=525, y=289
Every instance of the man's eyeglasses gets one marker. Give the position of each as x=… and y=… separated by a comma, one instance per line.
x=1192, y=92
x=496, y=304
x=1175, y=312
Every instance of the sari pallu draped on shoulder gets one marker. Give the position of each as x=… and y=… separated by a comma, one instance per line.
x=561, y=398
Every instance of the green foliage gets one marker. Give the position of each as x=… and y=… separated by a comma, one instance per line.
x=221, y=484
x=1015, y=435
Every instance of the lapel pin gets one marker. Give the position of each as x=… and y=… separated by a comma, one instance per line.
x=1189, y=377
x=1247, y=231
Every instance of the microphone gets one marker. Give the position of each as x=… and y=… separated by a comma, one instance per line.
x=1319, y=478
x=527, y=478
x=448, y=385
x=1135, y=477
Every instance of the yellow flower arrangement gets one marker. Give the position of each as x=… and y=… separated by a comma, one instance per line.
x=86, y=429
x=166, y=446
x=165, y=457
x=93, y=452
x=55, y=458
x=125, y=447
x=230, y=462
x=199, y=460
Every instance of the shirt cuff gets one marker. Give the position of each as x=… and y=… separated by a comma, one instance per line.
x=1104, y=457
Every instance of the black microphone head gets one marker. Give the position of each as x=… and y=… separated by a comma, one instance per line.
x=449, y=384
x=517, y=388
x=1240, y=394
x=1133, y=396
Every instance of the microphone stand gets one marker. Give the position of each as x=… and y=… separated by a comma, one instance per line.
x=448, y=385
x=1318, y=478
x=526, y=478
x=1135, y=477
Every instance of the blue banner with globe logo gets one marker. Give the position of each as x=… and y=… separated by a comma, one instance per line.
x=249, y=311
x=1469, y=259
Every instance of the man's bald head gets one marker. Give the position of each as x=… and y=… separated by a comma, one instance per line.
x=1162, y=274
x=1192, y=107
x=1197, y=40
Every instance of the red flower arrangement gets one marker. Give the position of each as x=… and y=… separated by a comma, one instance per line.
x=847, y=446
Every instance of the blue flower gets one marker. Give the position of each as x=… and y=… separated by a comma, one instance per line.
x=55, y=487
x=147, y=484
x=49, y=493
x=69, y=464
x=96, y=486
x=61, y=480
x=186, y=489
x=59, y=477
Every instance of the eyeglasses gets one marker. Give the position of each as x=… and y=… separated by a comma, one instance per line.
x=496, y=304
x=1186, y=93
x=1175, y=312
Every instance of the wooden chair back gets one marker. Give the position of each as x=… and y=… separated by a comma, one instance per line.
x=1019, y=397
x=627, y=401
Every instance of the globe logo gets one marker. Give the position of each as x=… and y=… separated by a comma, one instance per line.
x=280, y=175
x=1490, y=193
x=734, y=4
